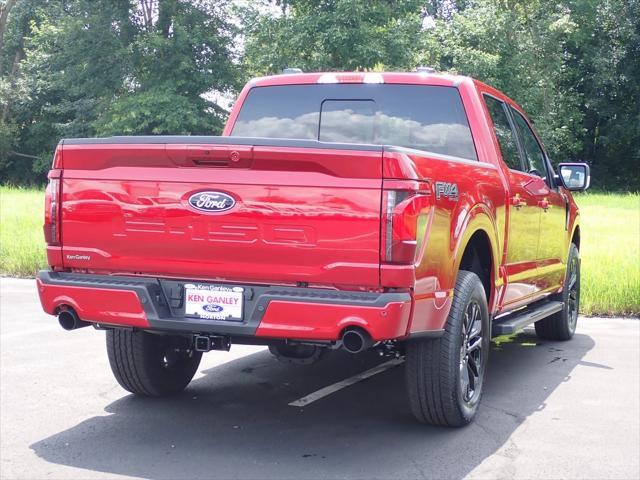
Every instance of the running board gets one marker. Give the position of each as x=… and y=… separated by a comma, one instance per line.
x=518, y=320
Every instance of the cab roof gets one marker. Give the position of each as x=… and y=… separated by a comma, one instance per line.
x=410, y=78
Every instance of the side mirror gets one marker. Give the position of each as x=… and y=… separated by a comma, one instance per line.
x=574, y=176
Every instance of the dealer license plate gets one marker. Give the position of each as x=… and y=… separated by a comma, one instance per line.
x=213, y=302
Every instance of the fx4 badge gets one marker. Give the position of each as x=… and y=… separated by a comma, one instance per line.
x=448, y=190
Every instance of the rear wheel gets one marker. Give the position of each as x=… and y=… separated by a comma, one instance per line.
x=562, y=325
x=151, y=365
x=445, y=376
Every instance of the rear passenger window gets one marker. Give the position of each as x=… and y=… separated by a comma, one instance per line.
x=534, y=155
x=506, y=136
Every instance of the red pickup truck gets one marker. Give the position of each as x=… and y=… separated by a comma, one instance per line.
x=416, y=213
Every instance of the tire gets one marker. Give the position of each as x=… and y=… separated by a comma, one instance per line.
x=562, y=325
x=151, y=365
x=437, y=370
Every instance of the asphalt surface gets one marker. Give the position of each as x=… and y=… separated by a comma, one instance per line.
x=550, y=410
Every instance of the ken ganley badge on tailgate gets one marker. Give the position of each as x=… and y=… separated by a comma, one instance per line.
x=213, y=302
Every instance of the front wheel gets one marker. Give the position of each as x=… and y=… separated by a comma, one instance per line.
x=562, y=325
x=151, y=365
x=445, y=376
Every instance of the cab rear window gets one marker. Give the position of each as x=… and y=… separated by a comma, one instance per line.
x=424, y=117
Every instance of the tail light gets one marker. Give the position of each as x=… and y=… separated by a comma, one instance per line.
x=52, y=209
x=403, y=202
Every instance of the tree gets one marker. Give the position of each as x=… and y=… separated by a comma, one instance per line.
x=519, y=50
x=111, y=67
x=12, y=89
x=573, y=65
x=332, y=35
x=104, y=67
x=177, y=56
x=5, y=8
x=604, y=56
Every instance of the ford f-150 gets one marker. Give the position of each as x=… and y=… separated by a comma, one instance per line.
x=416, y=213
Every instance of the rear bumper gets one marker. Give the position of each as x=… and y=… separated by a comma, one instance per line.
x=270, y=311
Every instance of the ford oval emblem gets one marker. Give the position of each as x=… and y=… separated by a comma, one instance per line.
x=213, y=308
x=212, y=201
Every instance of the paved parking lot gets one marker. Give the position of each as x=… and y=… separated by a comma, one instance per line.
x=550, y=410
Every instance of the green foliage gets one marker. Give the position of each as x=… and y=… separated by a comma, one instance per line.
x=521, y=52
x=332, y=35
x=174, y=63
x=572, y=65
x=604, y=56
x=73, y=68
x=158, y=110
x=114, y=67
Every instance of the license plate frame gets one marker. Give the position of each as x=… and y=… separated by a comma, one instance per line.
x=214, y=302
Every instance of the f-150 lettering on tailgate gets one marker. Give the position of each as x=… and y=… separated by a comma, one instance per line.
x=218, y=232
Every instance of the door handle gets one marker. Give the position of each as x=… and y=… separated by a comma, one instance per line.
x=544, y=204
x=517, y=201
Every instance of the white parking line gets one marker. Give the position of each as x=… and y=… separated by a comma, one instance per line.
x=323, y=392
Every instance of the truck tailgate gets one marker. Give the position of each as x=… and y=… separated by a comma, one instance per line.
x=301, y=212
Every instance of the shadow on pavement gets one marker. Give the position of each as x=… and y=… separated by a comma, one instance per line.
x=235, y=422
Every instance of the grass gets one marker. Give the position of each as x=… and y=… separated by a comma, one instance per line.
x=610, y=251
x=22, y=249
x=610, y=246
